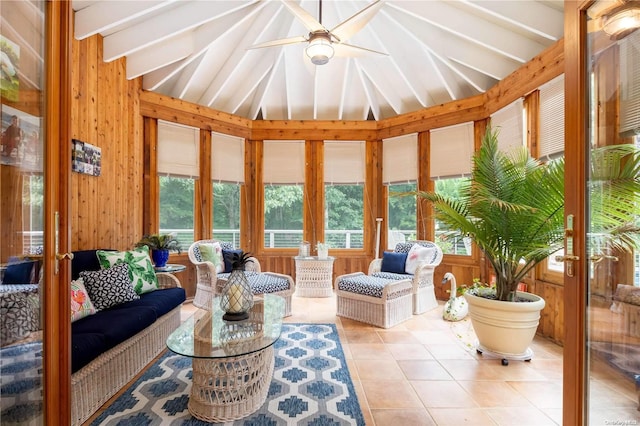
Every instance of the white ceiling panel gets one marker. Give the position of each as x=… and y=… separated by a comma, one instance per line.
x=429, y=52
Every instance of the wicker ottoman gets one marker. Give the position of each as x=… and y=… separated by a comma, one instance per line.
x=377, y=301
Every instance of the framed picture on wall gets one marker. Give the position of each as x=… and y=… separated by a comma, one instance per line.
x=86, y=158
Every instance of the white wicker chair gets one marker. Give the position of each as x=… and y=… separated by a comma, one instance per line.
x=424, y=297
x=209, y=284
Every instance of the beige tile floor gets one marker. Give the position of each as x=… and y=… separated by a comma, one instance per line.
x=425, y=371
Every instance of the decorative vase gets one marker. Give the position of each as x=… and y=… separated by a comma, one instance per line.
x=160, y=257
x=237, y=297
x=323, y=253
x=503, y=328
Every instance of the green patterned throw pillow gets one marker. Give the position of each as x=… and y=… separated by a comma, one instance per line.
x=212, y=252
x=143, y=277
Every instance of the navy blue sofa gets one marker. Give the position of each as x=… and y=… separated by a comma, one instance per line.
x=110, y=347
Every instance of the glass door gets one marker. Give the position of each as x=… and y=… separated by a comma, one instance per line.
x=34, y=110
x=613, y=291
x=22, y=183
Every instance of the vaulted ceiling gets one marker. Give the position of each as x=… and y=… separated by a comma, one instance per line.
x=431, y=52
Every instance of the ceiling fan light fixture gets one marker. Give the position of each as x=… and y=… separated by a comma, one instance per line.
x=622, y=21
x=319, y=49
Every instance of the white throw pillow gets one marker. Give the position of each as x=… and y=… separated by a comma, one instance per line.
x=416, y=255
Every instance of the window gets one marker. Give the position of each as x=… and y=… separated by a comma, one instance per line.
x=400, y=174
x=178, y=169
x=227, y=173
x=451, y=158
x=510, y=121
x=344, y=175
x=284, y=185
x=551, y=141
x=456, y=244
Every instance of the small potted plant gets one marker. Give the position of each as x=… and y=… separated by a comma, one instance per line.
x=160, y=246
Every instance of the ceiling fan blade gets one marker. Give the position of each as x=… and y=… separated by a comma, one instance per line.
x=309, y=21
x=347, y=28
x=343, y=49
x=280, y=42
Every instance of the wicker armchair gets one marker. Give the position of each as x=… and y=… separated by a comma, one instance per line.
x=206, y=284
x=424, y=298
x=210, y=284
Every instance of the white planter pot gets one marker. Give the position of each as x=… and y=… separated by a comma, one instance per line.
x=505, y=329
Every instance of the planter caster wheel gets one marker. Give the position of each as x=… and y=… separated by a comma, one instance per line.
x=478, y=351
x=505, y=361
x=527, y=360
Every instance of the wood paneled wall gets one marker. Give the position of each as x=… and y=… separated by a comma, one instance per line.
x=108, y=111
x=107, y=209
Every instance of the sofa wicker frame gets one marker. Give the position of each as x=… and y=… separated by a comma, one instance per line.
x=95, y=383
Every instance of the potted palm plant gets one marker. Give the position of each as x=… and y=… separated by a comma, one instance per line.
x=160, y=246
x=512, y=208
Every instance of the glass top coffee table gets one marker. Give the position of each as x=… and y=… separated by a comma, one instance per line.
x=232, y=360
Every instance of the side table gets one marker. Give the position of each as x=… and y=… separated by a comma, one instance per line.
x=170, y=268
x=314, y=276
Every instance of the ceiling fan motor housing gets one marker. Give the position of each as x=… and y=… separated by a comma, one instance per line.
x=319, y=49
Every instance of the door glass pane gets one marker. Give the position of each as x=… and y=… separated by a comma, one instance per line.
x=613, y=299
x=21, y=211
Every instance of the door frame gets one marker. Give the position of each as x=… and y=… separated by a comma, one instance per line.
x=55, y=296
x=575, y=294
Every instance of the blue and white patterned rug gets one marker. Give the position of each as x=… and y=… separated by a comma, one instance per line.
x=21, y=384
x=311, y=385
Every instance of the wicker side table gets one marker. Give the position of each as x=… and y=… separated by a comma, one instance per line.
x=314, y=276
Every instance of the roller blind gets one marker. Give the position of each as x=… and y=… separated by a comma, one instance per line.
x=630, y=85
x=178, y=149
x=510, y=122
x=551, y=139
x=451, y=151
x=400, y=159
x=344, y=162
x=283, y=162
x=227, y=158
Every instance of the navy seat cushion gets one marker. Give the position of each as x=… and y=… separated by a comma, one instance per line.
x=392, y=276
x=117, y=324
x=393, y=262
x=19, y=272
x=85, y=347
x=161, y=301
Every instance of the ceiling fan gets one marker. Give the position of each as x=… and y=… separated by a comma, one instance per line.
x=324, y=43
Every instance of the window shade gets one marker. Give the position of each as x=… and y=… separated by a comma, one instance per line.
x=630, y=85
x=551, y=138
x=227, y=158
x=400, y=159
x=451, y=151
x=509, y=120
x=178, y=149
x=283, y=162
x=344, y=162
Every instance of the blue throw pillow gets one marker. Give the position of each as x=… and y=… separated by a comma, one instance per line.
x=18, y=273
x=393, y=262
x=228, y=258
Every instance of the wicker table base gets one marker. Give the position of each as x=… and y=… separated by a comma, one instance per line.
x=230, y=388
